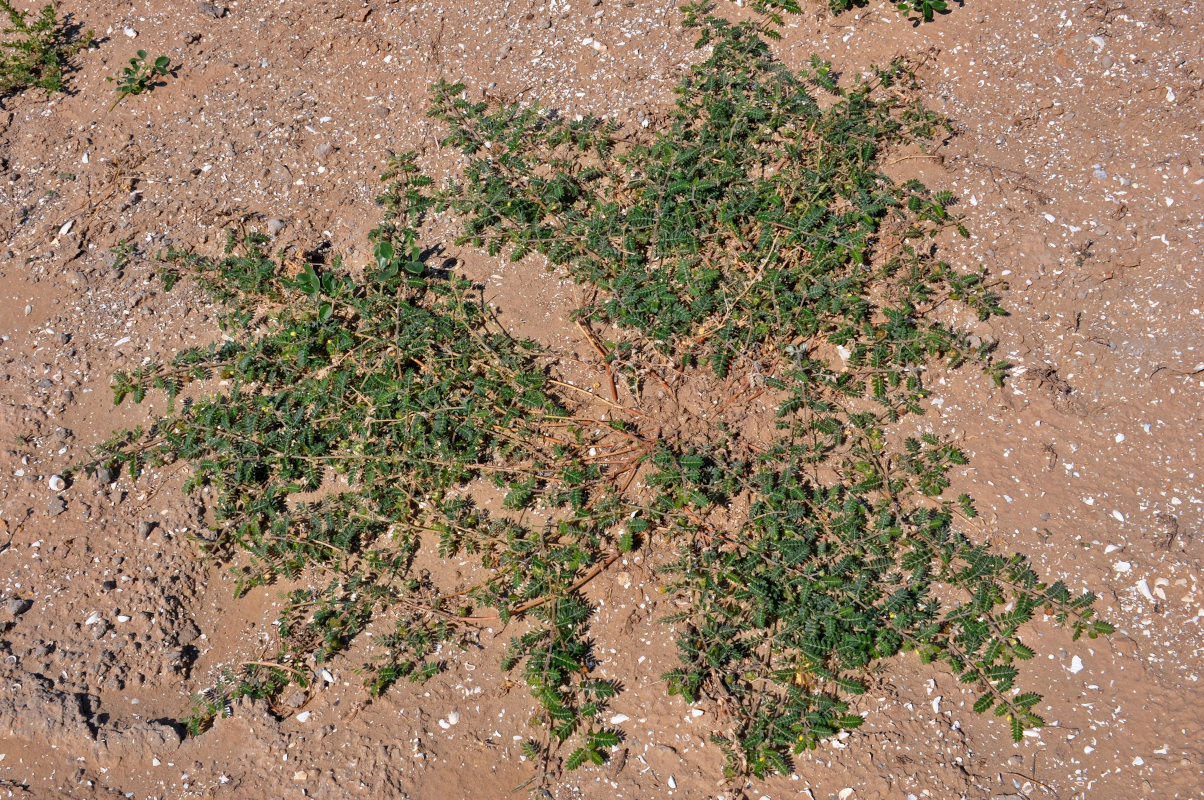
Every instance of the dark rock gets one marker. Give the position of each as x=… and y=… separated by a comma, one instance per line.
x=188, y=633
x=211, y=10
x=57, y=506
x=18, y=606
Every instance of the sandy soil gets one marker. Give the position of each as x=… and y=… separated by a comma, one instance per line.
x=1078, y=165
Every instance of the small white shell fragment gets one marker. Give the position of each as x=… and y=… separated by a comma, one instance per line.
x=1144, y=588
x=444, y=724
x=326, y=675
x=93, y=619
x=672, y=782
x=123, y=618
x=453, y=717
x=66, y=229
x=1118, y=516
x=155, y=761
x=304, y=716
x=845, y=793
x=1076, y=665
x=56, y=483
x=1120, y=437
x=1138, y=761
x=1122, y=566
x=619, y=719
x=695, y=712
x=1110, y=549
x=936, y=704
x=130, y=32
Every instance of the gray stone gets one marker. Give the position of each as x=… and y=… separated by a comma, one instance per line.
x=275, y=226
x=18, y=606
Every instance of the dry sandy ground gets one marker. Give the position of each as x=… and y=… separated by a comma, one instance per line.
x=1079, y=167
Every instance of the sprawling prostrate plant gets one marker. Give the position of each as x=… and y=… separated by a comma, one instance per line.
x=36, y=53
x=757, y=231
x=752, y=242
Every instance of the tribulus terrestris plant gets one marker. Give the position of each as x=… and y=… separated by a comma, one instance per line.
x=37, y=53
x=751, y=247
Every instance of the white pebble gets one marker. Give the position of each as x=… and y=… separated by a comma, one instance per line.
x=130, y=32
x=845, y=793
x=123, y=618
x=672, y=782
x=619, y=719
x=453, y=717
x=1122, y=566
x=1138, y=761
x=1120, y=437
x=1119, y=516
x=1076, y=665
x=304, y=716
x=66, y=229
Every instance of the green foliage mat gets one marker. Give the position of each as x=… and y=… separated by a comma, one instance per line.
x=753, y=236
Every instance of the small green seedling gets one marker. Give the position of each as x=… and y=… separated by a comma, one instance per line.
x=925, y=8
x=139, y=76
